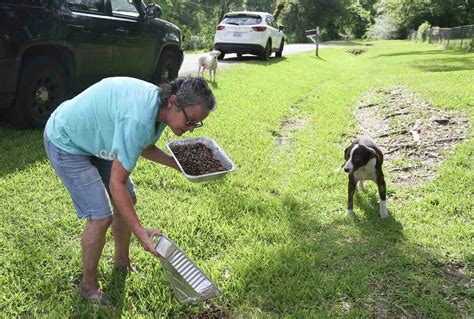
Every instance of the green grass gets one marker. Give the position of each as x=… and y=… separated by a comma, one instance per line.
x=465, y=44
x=274, y=235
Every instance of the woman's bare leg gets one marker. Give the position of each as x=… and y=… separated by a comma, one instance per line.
x=122, y=235
x=92, y=242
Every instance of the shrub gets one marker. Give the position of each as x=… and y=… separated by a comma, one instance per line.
x=384, y=28
x=422, y=33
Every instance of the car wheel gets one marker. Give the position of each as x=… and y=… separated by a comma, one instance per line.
x=167, y=69
x=221, y=56
x=279, y=53
x=268, y=51
x=42, y=86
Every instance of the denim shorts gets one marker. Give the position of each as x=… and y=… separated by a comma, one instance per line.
x=87, y=180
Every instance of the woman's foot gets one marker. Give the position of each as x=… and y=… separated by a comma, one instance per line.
x=126, y=267
x=95, y=296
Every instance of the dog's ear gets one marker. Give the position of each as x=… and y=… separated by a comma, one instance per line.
x=371, y=150
x=347, y=152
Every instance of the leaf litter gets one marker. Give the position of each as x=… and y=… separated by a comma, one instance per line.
x=414, y=136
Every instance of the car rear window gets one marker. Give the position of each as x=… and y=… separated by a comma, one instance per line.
x=242, y=19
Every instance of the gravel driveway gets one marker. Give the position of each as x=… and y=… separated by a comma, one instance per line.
x=190, y=63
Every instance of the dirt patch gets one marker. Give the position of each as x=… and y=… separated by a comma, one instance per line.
x=287, y=127
x=212, y=312
x=414, y=136
x=457, y=273
x=356, y=51
x=461, y=279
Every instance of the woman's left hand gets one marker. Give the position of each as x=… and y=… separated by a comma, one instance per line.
x=145, y=236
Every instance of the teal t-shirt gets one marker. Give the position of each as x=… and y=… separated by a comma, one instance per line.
x=114, y=117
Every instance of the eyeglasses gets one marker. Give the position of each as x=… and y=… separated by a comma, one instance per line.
x=190, y=123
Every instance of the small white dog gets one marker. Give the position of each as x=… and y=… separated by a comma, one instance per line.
x=208, y=62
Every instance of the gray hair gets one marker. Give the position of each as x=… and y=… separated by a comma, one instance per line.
x=189, y=91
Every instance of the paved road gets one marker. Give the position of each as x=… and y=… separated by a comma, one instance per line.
x=190, y=63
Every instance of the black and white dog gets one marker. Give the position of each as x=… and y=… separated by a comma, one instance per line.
x=364, y=161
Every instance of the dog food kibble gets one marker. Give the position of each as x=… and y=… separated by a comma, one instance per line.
x=197, y=159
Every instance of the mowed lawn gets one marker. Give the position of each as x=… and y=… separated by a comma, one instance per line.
x=274, y=235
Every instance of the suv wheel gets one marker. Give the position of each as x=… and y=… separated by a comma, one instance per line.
x=279, y=53
x=42, y=86
x=268, y=51
x=167, y=69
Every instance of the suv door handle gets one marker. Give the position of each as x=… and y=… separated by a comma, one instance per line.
x=124, y=31
x=76, y=27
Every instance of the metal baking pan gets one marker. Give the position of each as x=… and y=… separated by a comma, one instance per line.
x=217, y=151
x=189, y=283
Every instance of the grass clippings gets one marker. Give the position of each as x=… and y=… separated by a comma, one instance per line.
x=356, y=51
x=414, y=136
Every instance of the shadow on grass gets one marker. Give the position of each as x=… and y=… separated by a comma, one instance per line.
x=114, y=288
x=348, y=43
x=435, y=51
x=20, y=148
x=214, y=84
x=252, y=59
x=359, y=268
x=84, y=309
x=368, y=202
x=447, y=64
x=318, y=58
x=438, y=60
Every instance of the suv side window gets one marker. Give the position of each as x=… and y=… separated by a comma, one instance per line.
x=94, y=6
x=271, y=22
x=124, y=8
x=268, y=21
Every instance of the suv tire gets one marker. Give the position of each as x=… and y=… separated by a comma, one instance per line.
x=268, y=51
x=42, y=86
x=167, y=68
x=279, y=53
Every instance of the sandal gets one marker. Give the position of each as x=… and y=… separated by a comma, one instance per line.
x=127, y=269
x=98, y=297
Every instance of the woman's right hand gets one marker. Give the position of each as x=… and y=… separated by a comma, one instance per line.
x=145, y=237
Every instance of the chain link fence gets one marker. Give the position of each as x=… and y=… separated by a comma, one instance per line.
x=452, y=38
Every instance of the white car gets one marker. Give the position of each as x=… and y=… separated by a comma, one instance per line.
x=248, y=32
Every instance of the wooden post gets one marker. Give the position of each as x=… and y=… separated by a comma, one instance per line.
x=314, y=36
x=317, y=42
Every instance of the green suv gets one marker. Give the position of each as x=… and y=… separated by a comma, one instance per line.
x=53, y=49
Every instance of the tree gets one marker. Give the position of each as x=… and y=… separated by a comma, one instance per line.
x=330, y=15
x=409, y=14
x=359, y=20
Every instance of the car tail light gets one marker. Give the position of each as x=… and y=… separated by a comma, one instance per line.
x=259, y=28
x=220, y=27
